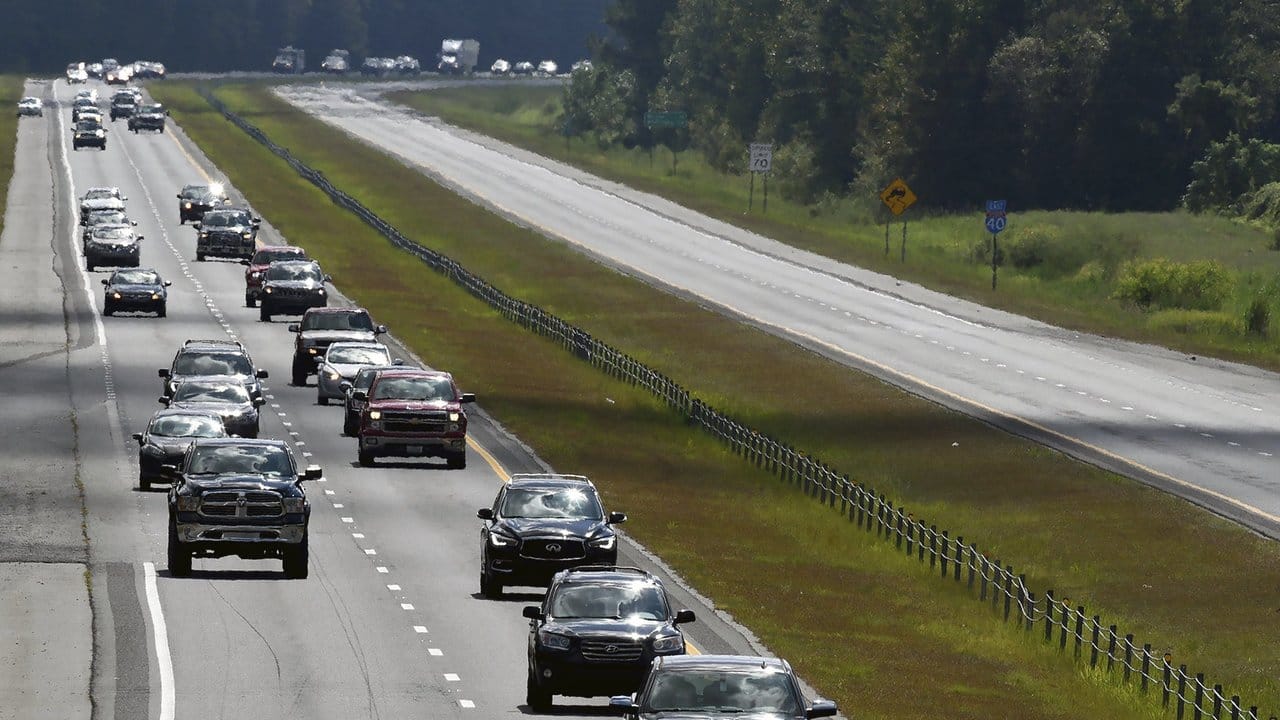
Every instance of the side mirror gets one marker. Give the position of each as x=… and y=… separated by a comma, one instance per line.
x=124, y=197
x=179, y=196
x=257, y=221
x=133, y=223
x=821, y=708
x=259, y=401
x=168, y=283
x=345, y=386
x=482, y=513
x=467, y=398
x=196, y=224
x=617, y=517
x=360, y=395
x=163, y=400
x=397, y=361
x=106, y=281
x=142, y=237
x=244, y=262
x=261, y=374
x=328, y=278
x=380, y=329
x=138, y=437
x=623, y=704
x=164, y=372
x=295, y=327
x=684, y=616
x=533, y=612
x=313, y=472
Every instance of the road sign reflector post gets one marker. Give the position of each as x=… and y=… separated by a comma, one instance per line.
x=897, y=196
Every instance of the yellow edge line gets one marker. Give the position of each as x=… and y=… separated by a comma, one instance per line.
x=498, y=470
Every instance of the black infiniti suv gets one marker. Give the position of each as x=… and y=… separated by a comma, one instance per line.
x=596, y=633
x=541, y=524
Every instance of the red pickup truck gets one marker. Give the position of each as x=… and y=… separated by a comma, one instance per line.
x=413, y=413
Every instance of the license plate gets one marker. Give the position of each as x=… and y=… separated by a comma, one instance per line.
x=239, y=536
x=413, y=449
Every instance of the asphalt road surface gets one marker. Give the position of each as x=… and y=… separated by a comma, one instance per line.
x=1201, y=428
x=388, y=625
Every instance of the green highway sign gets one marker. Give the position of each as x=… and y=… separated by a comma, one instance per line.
x=673, y=119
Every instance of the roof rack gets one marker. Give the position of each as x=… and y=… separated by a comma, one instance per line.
x=607, y=568
x=551, y=476
x=223, y=341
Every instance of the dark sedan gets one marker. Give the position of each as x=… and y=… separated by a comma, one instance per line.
x=713, y=686
x=166, y=439
x=112, y=246
x=195, y=200
x=227, y=399
x=135, y=290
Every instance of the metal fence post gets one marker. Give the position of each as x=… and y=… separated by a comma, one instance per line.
x=1008, y=591
x=1182, y=690
x=1079, y=630
x=1217, y=702
x=1111, y=649
x=1164, y=702
x=1066, y=624
x=1195, y=711
x=956, y=560
x=901, y=522
x=973, y=552
x=982, y=592
x=942, y=559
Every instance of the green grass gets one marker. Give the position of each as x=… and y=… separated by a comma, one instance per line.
x=1074, y=293
x=10, y=92
x=865, y=625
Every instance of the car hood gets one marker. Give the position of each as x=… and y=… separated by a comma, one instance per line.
x=223, y=409
x=237, y=229
x=568, y=527
x=704, y=714
x=171, y=446
x=242, y=482
x=131, y=288
x=112, y=241
x=413, y=405
x=337, y=335
x=295, y=284
x=244, y=380
x=589, y=627
x=102, y=204
x=346, y=370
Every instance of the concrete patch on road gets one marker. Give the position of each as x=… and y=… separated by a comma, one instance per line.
x=46, y=641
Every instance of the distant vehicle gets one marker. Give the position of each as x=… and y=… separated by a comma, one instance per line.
x=377, y=66
x=336, y=62
x=459, y=57
x=118, y=75
x=226, y=398
x=500, y=67
x=257, y=267
x=100, y=198
x=291, y=287
x=31, y=106
x=148, y=117
x=226, y=232
x=89, y=93
x=83, y=104
x=548, y=68
x=715, y=686
x=341, y=363
x=112, y=246
x=581, y=65
x=89, y=133
x=135, y=290
x=195, y=200
x=94, y=70
x=123, y=105
x=289, y=61
x=524, y=67
x=149, y=69
x=407, y=65
x=76, y=73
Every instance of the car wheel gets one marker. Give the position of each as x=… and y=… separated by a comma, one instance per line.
x=321, y=399
x=144, y=483
x=108, y=310
x=348, y=425
x=182, y=219
x=199, y=257
x=366, y=458
x=535, y=697
x=161, y=311
x=179, y=557
x=457, y=461
x=89, y=266
x=490, y=587
x=296, y=561
x=264, y=314
x=250, y=301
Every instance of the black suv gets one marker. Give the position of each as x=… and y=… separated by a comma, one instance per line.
x=711, y=686
x=596, y=633
x=290, y=287
x=213, y=360
x=123, y=105
x=113, y=246
x=195, y=200
x=240, y=497
x=88, y=133
x=148, y=117
x=541, y=524
x=227, y=232
x=321, y=327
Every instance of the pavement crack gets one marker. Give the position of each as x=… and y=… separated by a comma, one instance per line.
x=254, y=628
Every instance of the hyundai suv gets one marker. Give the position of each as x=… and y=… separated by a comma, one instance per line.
x=213, y=359
x=713, y=686
x=597, y=631
x=240, y=497
x=322, y=326
x=540, y=524
x=290, y=287
x=257, y=267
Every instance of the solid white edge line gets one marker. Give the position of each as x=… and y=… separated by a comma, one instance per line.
x=71, y=186
x=161, y=634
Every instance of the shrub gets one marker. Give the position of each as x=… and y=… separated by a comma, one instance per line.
x=1195, y=322
x=1159, y=283
x=1257, y=318
x=1275, y=239
x=1228, y=170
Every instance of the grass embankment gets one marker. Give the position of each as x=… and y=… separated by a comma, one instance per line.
x=866, y=626
x=10, y=92
x=1073, y=259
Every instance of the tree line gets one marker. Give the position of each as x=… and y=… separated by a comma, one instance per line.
x=228, y=35
x=1091, y=104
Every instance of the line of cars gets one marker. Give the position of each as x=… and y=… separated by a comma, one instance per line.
x=87, y=124
x=108, y=238
x=113, y=72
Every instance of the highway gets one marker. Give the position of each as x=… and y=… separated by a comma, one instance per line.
x=1204, y=429
x=388, y=625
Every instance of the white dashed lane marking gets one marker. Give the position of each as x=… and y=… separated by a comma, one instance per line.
x=435, y=652
x=420, y=629
x=383, y=570
x=406, y=606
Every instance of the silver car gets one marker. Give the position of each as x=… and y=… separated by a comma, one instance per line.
x=341, y=363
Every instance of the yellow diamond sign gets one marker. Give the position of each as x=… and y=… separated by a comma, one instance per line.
x=898, y=197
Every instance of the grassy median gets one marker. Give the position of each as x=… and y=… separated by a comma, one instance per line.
x=1068, y=262
x=866, y=626
x=11, y=87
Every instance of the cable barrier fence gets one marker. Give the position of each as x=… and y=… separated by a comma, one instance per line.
x=998, y=588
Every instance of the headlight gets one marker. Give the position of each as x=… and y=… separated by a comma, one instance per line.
x=267, y=290
x=313, y=351
x=115, y=296
x=319, y=291
x=497, y=540
x=204, y=234
x=248, y=235
x=186, y=206
x=553, y=641
x=255, y=274
x=375, y=414
x=670, y=643
x=155, y=296
x=99, y=133
x=295, y=504
x=453, y=416
x=188, y=503
x=333, y=375
x=604, y=543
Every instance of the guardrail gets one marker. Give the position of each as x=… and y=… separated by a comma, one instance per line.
x=949, y=557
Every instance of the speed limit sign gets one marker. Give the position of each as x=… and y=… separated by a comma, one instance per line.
x=761, y=157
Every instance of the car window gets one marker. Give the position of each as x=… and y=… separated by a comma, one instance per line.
x=210, y=392
x=290, y=271
x=413, y=388
x=187, y=426
x=112, y=233
x=211, y=364
x=192, y=192
x=337, y=321
x=263, y=257
x=255, y=459
x=358, y=356
x=551, y=503
x=760, y=690
x=608, y=600
x=135, y=277
x=364, y=379
x=99, y=194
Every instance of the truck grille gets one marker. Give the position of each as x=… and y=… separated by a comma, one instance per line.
x=612, y=650
x=552, y=549
x=241, y=504
x=414, y=422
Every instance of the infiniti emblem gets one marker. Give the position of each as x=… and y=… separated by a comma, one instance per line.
x=553, y=547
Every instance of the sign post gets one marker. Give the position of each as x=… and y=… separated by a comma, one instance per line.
x=761, y=162
x=897, y=196
x=674, y=119
x=995, y=222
